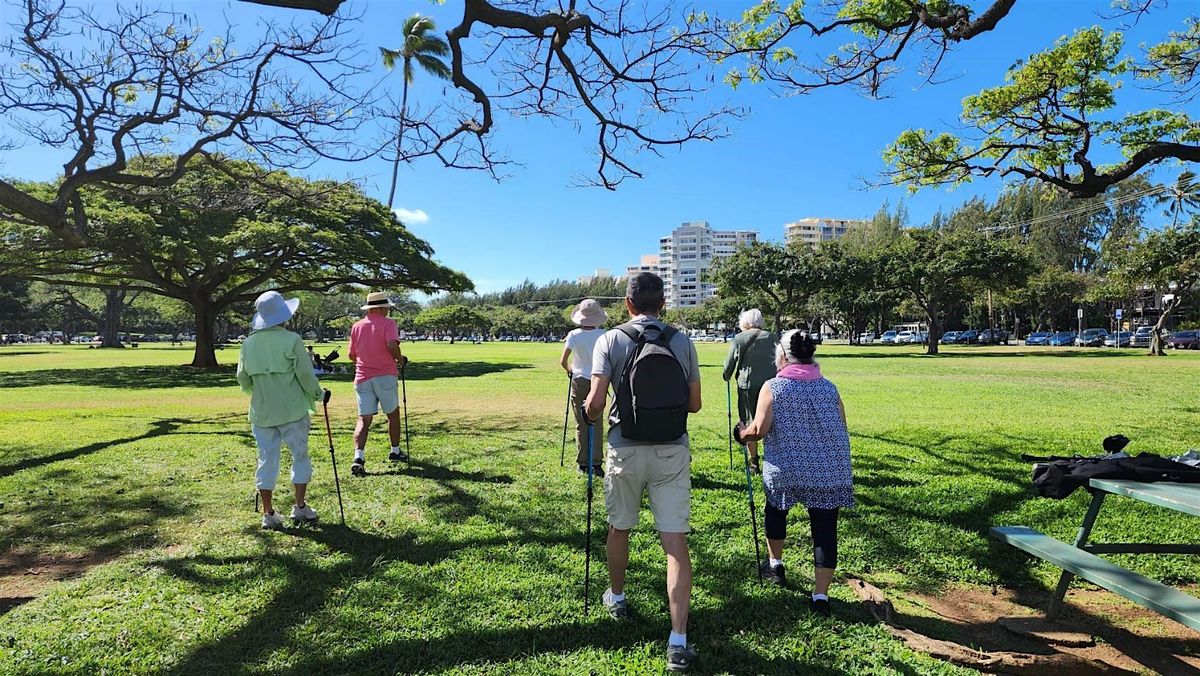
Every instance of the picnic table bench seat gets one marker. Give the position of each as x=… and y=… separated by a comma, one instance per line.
x=1181, y=607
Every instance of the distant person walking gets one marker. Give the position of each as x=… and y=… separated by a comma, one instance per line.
x=752, y=357
x=655, y=376
x=375, y=351
x=275, y=370
x=802, y=421
x=580, y=343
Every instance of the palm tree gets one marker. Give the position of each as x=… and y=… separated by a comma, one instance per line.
x=1181, y=197
x=424, y=48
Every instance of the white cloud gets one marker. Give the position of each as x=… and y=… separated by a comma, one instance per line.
x=412, y=216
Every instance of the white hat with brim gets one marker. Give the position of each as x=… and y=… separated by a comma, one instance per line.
x=272, y=309
x=377, y=299
x=589, y=314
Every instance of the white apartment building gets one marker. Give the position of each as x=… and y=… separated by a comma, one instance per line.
x=686, y=255
x=649, y=264
x=813, y=231
x=599, y=273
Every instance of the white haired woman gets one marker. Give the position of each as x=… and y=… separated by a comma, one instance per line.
x=752, y=357
x=802, y=421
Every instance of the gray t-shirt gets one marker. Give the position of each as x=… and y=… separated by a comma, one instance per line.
x=608, y=359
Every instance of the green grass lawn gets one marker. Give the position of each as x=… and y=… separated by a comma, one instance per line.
x=471, y=561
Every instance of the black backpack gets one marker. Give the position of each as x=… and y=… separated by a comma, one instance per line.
x=652, y=395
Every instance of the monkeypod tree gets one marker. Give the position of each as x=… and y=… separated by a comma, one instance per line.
x=453, y=320
x=936, y=268
x=774, y=277
x=1051, y=119
x=1167, y=261
x=212, y=239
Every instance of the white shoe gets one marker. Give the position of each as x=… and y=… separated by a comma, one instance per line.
x=303, y=514
x=272, y=521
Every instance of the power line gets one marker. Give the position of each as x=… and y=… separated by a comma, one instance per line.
x=1078, y=211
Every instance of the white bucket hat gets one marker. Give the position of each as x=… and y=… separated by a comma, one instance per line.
x=589, y=313
x=377, y=299
x=271, y=309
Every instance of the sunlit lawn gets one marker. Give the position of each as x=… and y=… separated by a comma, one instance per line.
x=471, y=560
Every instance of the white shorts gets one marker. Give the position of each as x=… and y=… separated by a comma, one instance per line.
x=378, y=395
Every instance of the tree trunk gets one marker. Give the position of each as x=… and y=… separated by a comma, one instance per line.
x=110, y=327
x=399, y=136
x=935, y=331
x=1157, y=349
x=205, y=356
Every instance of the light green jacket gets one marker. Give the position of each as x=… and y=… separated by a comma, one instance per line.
x=277, y=373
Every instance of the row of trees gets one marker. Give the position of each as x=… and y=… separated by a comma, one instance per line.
x=999, y=263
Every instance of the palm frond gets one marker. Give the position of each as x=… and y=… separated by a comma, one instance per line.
x=434, y=66
x=390, y=56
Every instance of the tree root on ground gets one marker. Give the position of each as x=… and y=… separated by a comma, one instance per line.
x=1057, y=664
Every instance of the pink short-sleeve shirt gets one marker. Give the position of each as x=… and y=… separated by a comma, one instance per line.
x=369, y=338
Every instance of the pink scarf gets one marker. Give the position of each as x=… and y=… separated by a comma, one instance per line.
x=800, y=372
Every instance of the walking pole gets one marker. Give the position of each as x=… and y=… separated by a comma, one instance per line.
x=332, y=456
x=587, y=561
x=404, y=398
x=729, y=415
x=753, y=512
x=562, y=458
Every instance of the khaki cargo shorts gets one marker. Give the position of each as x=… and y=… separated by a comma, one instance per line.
x=663, y=471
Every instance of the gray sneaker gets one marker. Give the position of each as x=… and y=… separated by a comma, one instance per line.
x=680, y=658
x=618, y=610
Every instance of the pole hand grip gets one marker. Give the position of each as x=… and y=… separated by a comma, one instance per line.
x=326, y=396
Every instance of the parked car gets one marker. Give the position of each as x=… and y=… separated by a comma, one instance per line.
x=1118, y=339
x=1141, y=337
x=950, y=337
x=888, y=338
x=1038, y=338
x=866, y=338
x=904, y=338
x=993, y=337
x=1062, y=339
x=968, y=337
x=1184, y=340
x=1092, y=338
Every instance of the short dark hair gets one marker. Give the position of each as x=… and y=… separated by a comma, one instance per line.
x=645, y=292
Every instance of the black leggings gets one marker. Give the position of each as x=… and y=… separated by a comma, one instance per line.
x=824, y=532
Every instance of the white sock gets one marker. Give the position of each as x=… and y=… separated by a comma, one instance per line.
x=360, y=454
x=616, y=597
x=776, y=562
x=820, y=597
x=677, y=639
x=395, y=449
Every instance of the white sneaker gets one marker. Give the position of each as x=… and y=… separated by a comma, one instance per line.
x=303, y=514
x=272, y=521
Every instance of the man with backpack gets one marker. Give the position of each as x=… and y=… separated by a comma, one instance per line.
x=655, y=375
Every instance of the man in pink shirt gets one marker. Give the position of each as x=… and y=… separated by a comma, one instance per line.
x=375, y=351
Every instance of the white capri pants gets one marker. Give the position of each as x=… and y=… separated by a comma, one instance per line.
x=270, y=440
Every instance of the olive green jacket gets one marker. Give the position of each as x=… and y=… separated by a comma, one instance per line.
x=758, y=366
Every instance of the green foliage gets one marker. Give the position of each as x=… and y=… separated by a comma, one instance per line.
x=775, y=278
x=452, y=319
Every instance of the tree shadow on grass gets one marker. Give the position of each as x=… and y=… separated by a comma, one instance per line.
x=437, y=370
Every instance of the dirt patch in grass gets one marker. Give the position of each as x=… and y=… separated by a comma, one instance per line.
x=1123, y=635
x=25, y=575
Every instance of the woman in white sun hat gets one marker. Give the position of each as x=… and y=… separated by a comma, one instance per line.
x=275, y=370
x=590, y=318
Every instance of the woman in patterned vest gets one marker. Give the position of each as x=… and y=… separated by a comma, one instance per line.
x=806, y=458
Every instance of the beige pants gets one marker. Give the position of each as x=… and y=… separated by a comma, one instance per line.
x=579, y=392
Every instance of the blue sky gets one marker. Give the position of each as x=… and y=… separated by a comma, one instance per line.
x=790, y=158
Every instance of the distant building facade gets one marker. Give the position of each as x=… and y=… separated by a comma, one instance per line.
x=813, y=231
x=598, y=274
x=685, y=257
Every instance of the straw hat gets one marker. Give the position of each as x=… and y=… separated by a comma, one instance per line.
x=377, y=299
x=589, y=314
x=271, y=309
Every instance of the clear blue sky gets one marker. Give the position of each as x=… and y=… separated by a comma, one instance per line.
x=791, y=158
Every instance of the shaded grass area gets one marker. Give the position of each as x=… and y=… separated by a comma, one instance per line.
x=470, y=560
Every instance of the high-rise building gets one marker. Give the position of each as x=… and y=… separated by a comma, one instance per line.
x=599, y=273
x=813, y=231
x=685, y=257
x=649, y=264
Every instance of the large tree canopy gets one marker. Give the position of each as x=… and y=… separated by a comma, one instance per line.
x=212, y=240
x=1051, y=120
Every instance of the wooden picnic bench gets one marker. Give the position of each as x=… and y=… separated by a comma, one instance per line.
x=1081, y=558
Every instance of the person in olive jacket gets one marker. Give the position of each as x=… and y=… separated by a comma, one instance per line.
x=752, y=357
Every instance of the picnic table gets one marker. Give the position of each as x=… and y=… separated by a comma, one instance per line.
x=1081, y=558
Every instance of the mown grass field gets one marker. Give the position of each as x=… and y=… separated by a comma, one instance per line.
x=140, y=472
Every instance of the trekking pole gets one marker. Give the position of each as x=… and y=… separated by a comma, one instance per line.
x=753, y=512
x=729, y=415
x=333, y=456
x=562, y=458
x=404, y=398
x=587, y=561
